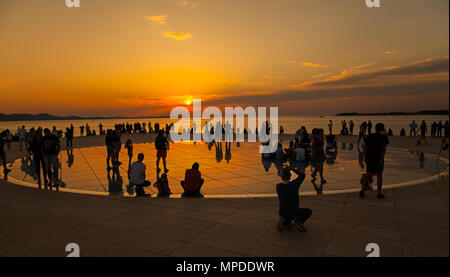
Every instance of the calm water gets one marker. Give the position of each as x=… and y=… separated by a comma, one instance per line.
x=290, y=123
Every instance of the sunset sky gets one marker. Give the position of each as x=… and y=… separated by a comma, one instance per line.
x=143, y=57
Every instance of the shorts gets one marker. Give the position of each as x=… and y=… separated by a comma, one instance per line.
x=51, y=161
x=161, y=154
x=374, y=167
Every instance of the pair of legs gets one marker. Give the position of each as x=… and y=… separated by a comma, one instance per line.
x=319, y=169
x=140, y=188
x=299, y=215
x=52, y=165
x=366, y=180
x=422, y=138
x=193, y=193
x=3, y=159
x=38, y=163
x=161, y=154
x=69, y=143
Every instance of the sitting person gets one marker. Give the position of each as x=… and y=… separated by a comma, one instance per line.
x=289, y=201
x=162, y=184
x=192, y=182
x=137, y=176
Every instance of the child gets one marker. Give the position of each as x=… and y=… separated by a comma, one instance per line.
x=129, y=147
x=163, y=186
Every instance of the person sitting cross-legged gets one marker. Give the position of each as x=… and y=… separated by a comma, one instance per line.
x=192, y=182
x=137, y=176
x=289, y=201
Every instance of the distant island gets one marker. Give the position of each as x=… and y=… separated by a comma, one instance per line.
x=437, y=112
x=45, y=116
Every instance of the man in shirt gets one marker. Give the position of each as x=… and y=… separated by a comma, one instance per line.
x=2, y=152
x=289, y=201
x=374, y=151
x=137, y=176
x=193, y=181
x=51, y=148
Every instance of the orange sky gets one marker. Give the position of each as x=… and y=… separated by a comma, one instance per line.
x=142, y=57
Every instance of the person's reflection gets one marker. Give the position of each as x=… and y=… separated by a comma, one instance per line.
x=267, y=163
x=360, y=156
x=115, y=182
x=344, y=146
x=331, y=154
x=70, y=157
x=219, y=151
x=228, y=151
x=350, y=146
x=422, y=159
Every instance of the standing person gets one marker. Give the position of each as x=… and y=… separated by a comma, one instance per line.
x=318, y=153
x=423, y=132
x=51, y=148
x=413, y=127
x=117, y=146
x=362, y=131
x=38, y=157
x=82, y=130
x=374, y=151
x=352, y=125
x=8, y=139
x=69, y=138
x=369, y=127
x=281, y=130
x=2, y=152
x=330, y=127
x=440, y=126
x=161, y=145
x=289, y=201
x=22, y=137
x=129, y=147
x=137, y=176
x=109, y=148
x=100, y=128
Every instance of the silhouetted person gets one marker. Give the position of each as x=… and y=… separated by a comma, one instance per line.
x=403, y=132
x=423, y=132
x=2, y=152
x=129, y=147
x=137, y=176
x=38, y=157
x=318, y=155
x=352, y=126
x=51, y=148
x=69, y=138
x=289, y=201
x=162, y=184
x=413, y=127
x=109, y=148
x=161, y=145
x=192, y=182
x=374, y=151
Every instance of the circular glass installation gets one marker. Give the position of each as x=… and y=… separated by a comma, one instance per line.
x=234, y=170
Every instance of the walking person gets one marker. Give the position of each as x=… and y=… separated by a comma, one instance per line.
x=2, y=152
x=318, y=154
x=374, y=152
x=289, y=201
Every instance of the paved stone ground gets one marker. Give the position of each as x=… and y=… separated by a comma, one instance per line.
x=412, y=221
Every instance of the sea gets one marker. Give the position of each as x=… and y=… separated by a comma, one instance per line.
x=289, y=123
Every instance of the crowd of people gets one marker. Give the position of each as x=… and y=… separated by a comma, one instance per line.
x=305, y=150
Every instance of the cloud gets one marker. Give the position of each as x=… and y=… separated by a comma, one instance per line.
x=316, y=65
x=321, y=75
x=362, y=66
x=178, y=35
x=348, y=84
x=186, y=3
x=160, y=19
x=390, y=52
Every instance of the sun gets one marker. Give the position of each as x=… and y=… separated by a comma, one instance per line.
x=188, y=102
